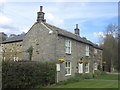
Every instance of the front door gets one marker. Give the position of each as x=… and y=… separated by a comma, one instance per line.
x=80, y=68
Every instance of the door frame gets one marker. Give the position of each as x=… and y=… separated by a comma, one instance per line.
x=80, y=70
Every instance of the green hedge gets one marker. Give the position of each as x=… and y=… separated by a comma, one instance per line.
x=88, y=76
x=97, y=72
x=73, y=79
x=27, y=74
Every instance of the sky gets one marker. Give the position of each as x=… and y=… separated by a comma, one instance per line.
x=92, y=17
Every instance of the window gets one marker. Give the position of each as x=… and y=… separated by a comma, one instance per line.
x=95, y=66
x=15, y=58
x=95, y=51
x=86, y=67
x=87, y=50
x=68, y=46
x=67, y=68
x=4, y=58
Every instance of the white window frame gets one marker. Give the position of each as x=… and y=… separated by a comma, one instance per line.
x=17, y=59
x=67, y=68
x=87, y=68
x=14, y=58
x=95, y=51
x=4, y=58
x=87, y=50
x=95, y=66
x=68, y=46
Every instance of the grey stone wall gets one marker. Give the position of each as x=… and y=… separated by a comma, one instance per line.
x=78, y=51
x=42, y=42
x=0, y=75
x=1, y=54
x=51, y=47
x=12, y=51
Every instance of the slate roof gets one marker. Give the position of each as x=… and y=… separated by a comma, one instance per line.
x=60, y=32
x=14, y=39
x=71, y=35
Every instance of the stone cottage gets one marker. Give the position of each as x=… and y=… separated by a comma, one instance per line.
x=71, y=53
x=11, y=48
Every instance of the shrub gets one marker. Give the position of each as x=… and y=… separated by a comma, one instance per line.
x=73, y=79
x=30, y=51
x=27, y=74
x=88, y=75
x=103, y=73
x=94, y=75
x=97, y=72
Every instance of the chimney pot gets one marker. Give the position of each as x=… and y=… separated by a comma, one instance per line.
x=76, y=26
x=41, y=7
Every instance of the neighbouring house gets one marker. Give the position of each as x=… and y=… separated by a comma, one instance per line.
x=71, y=53
x=3, y=36
x=11, y=48
x=1, y=53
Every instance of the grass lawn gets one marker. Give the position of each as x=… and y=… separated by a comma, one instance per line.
x=89, y=84
x=108, y=77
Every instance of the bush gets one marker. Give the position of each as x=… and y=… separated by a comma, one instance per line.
x=103, y=73
x=88, y=75
x=97, y=72
x=73, y=79
x=27, y=74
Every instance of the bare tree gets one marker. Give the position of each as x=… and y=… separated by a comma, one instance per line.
x=110, y=47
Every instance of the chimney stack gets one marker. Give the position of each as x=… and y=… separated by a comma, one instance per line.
x=40, y=15
x=76, y=30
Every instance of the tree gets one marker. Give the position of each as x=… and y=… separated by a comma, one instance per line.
x=30, y=51
x=110, y=47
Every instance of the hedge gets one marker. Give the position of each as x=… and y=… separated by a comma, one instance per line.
x=27, y=74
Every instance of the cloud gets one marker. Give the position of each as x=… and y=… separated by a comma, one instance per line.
x=2, y=1
x=62, y=0
x=5, y=24
x=99, y=35
x=5, y=30
x=4, y=20
x=24, y=29
x=54, y=19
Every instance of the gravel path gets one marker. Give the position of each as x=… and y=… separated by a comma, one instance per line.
x=103, y=80
x=113, y=73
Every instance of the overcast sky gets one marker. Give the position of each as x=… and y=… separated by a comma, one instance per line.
x=92, y=17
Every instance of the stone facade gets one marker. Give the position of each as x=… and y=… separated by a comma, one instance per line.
x=12, y=51
x=77, y=52
x=11, y=48
x=43, y=44
x=51, y=47
x=1, y=52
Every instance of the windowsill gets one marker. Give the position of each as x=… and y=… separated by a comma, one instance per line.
x=68, y=53
x=67, y=74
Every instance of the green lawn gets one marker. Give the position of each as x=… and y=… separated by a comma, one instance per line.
x=108, y=77
x=89, y=84
x=93, y=83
